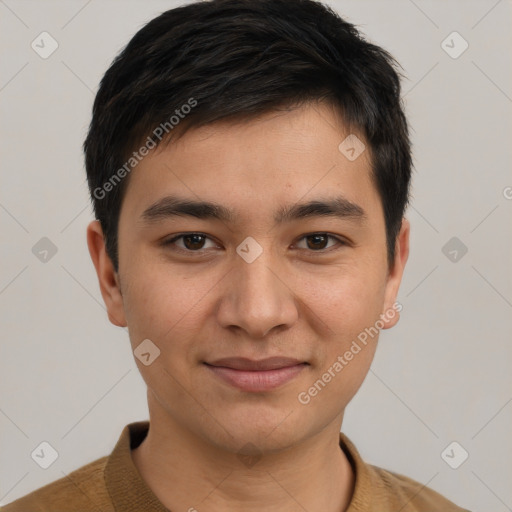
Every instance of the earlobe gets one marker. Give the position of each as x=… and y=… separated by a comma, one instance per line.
x=107, y=276
x=391, y=313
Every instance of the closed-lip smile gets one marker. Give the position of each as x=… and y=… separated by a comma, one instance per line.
x=256, y=375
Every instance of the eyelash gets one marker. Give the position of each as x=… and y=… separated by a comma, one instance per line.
x=170, y=242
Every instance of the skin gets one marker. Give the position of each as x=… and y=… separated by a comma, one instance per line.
x=297, y=299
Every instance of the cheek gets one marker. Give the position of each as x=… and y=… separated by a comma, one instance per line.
x=347, y=298
x=164, y=309
x=349, y=304
x=350, y=307
x=164, y=306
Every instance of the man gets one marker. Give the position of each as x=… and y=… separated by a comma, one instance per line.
x=249, y=165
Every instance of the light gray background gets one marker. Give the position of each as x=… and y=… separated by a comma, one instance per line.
x=443, y=374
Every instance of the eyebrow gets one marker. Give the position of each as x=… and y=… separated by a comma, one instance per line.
x=173, y=206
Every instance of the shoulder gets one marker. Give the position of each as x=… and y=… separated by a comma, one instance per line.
x=380, y=490
x=83, y=489
x=414, y=496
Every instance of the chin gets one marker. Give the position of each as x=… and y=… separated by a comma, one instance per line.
x=261, y=431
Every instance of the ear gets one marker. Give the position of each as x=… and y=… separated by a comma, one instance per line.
x=391, y=313
x=107, y=276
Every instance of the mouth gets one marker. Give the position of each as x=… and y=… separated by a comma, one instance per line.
x=256, y=376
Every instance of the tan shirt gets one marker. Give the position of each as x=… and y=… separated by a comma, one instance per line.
x=113, y=484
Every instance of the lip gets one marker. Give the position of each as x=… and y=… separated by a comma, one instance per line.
x=256, y=376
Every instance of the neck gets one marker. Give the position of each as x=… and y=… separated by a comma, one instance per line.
x=186, y=472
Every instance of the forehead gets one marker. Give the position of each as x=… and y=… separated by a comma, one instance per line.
x=278, y=158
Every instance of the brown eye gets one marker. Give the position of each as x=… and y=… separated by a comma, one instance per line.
x=189, y=242
x=317, y=241
x=193, y=241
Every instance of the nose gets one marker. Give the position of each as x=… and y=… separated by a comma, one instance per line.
x=258, y=298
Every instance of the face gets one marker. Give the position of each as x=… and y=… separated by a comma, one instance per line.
x=260, y=276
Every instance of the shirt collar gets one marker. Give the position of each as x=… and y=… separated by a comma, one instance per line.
x=130, y=493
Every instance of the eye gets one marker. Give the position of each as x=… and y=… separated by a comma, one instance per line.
x=196, y=242
x=190, y=242
x=318, y=241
